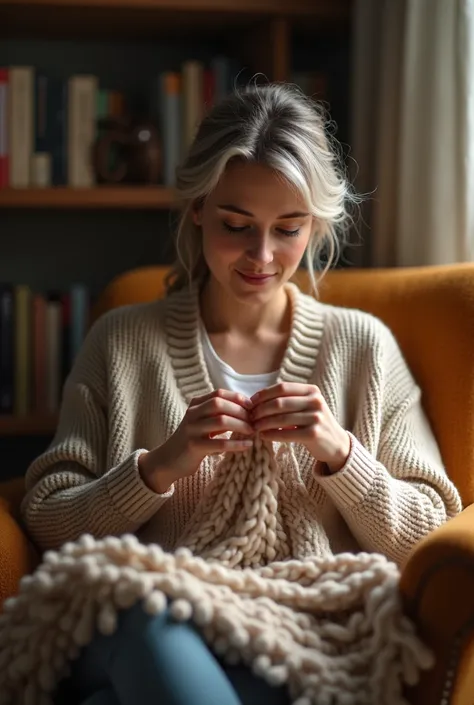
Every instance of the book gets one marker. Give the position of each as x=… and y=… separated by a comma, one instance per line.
x=7, y=354
x=57, y=129
x=4, y=91
x=39, y=395
x=41, y=170
x=115, y=104
x=20, y=124
x=82, y=110
x=41, y=167
x=193, y=99
x=171, y=124
x=22, y=364
x=221, y=68
x=209, y=89
x=79, y=319
x=53, y=335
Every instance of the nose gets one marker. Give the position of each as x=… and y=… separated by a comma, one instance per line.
x=260, y=250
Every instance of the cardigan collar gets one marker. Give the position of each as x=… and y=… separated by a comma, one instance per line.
x=182, y=316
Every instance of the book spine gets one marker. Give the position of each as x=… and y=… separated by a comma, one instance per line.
x=53, y=352
x=193, y=99
x=41, y=113
x=4, y=91
x=41, y=170
x=21, y=124
x=41, y=175
x=22, y=349
x=79, y=319
x=39, y=352
x=115, y=104
x=102, y=109
x=82, y=110
x=170, y=102
x=209, y=89
x=57, y=130
x=7, y=323
x=220, y=67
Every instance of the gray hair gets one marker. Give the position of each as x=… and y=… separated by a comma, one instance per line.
x=278, y=126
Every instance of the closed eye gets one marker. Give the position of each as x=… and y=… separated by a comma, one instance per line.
x=289, y=233
x=241, y=228
x=234, y=228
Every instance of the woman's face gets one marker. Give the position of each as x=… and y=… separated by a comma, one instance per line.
x=255, y=229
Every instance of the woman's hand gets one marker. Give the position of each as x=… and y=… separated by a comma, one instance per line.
x=182, y=454
x=298, y=413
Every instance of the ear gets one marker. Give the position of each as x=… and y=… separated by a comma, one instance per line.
x=197, y=212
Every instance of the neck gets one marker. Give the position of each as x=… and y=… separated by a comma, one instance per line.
x=221, y=312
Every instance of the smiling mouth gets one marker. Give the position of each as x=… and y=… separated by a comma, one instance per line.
x=250, y=275
x=255, y=279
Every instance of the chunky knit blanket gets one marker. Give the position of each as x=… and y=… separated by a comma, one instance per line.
x=254, y=571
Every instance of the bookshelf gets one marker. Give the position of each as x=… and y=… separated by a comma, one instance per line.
x=263, y=34
x=115, y=197
x=31, y=425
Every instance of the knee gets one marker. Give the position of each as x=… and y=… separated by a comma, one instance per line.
x=135, y=621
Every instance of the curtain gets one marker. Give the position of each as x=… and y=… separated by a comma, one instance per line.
x=413, y=131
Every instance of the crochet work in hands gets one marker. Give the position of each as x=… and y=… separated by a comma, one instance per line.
x=254, y=571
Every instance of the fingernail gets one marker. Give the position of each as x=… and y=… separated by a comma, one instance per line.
x=247, y=444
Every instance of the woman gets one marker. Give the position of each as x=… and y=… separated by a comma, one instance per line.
x=235, y=349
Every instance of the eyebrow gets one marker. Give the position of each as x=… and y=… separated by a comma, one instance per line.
x=241, y=211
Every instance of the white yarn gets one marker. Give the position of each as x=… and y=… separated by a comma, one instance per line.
x=263, y=588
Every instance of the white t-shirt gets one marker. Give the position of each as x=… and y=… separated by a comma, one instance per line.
x=223, y=376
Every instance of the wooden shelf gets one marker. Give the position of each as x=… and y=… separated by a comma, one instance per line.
x=109, y=197
x=94, y=18
x=31, y=425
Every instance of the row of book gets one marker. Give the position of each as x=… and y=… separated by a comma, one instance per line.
x=40, y=336
x=184, y=98
x=48, y=125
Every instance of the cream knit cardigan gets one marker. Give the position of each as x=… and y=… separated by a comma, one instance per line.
x=129, y=389
x=261, y=567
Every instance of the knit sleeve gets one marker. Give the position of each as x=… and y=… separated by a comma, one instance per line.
x=69, y=488
x=395, y=494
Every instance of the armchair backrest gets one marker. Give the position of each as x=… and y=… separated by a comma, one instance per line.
x=430, y=311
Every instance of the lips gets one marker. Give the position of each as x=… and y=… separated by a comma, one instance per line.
x=256, y=279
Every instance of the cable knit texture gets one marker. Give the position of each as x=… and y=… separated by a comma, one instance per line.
x=140, y=367
x=255, y=573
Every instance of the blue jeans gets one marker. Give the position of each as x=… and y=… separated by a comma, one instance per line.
x=157, y=661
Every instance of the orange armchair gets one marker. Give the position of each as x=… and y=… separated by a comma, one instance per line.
x=431, y=312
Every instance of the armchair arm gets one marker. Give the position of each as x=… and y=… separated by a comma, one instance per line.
x=437, y=585
x=17, y=555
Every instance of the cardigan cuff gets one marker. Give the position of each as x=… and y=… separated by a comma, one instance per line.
x=130, y=495
x=352, y=482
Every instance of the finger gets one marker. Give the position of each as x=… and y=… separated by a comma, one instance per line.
x=235, y=397
x=302, y=419
x=217, y=406
x=282, y=405
x=221, y=424
x=283, y=389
